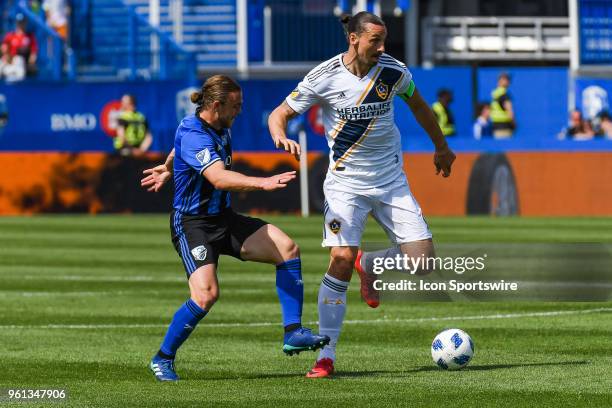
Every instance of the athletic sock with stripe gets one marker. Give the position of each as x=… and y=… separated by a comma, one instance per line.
x=332, y=308
x=183, y=323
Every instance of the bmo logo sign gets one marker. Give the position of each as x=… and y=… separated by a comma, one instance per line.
x=73, y=122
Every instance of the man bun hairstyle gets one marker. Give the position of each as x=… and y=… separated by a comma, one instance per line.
x=356, y=24
x=216, y=88
x=196, y=97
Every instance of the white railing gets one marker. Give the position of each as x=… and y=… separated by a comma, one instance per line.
x=495, y=38
x=242, y=46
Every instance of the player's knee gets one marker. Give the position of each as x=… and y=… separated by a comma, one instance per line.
x=428, y=253
x=206, y=297
x=342, y=260
x=290, y=250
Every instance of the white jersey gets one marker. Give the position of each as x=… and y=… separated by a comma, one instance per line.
x=364, y=142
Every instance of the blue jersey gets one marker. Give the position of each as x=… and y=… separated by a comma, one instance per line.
x=196, y=147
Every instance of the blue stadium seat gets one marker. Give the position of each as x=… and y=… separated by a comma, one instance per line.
x=209, y=28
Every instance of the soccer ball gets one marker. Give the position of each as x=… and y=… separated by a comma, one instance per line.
x=452, y=349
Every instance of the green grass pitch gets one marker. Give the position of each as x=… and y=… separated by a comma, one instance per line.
x=84, y=303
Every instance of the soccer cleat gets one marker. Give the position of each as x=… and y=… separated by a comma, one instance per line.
x=163, y=369
x=302, y=339
x=368, y=293
x=322, y=368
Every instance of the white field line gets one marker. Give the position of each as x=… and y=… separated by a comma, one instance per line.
x=181, y=278
x=231, y=277
x=253, y=278
x=85, y=293
x=552, y=313
x=353, y=288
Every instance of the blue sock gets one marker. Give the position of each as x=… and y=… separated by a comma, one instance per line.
x=290, y=289
x=185, y=320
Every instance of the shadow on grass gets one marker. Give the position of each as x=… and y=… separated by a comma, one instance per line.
x=263, y=376
x=502, y=366
x=372, y=373
x=208, y=376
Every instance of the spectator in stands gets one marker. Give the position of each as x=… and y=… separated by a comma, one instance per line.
x=502, y=112
x=57, y=13
x=19, y=52
x=133, y=135
x=442, y=112
x=482, y=125
x=578, y=128
x=605, y=125
x=34, y=5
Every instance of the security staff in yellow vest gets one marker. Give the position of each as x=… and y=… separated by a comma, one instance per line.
x=502, y=114
x=442, y=112
x=133, y=135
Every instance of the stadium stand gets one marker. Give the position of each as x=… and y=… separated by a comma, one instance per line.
x=493, y=38
x=206, y=27
x=205, y=30
x=120, y=42
x=52, y=49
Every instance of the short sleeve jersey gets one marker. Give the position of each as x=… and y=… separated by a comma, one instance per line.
x=358, y=117
x=197, y=146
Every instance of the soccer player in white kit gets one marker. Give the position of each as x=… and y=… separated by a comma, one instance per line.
x=355, y=91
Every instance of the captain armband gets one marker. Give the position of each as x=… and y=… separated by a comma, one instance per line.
x=409, y=92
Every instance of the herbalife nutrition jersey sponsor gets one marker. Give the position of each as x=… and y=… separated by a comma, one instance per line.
x=358, y=116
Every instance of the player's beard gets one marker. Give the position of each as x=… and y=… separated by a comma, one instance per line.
x=370, y=58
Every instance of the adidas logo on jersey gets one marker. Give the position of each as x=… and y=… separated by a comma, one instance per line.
x=341, y=95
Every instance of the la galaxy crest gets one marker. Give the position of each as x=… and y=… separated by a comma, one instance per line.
x=382, y=90
x=334, y=226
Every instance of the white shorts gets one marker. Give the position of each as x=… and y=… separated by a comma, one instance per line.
x=393, y=207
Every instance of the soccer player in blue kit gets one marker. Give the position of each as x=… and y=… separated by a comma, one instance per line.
x=204, y=225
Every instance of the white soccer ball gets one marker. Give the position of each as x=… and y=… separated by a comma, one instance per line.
x=452, y=349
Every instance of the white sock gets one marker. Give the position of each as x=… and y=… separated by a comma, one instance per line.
x=332, y=308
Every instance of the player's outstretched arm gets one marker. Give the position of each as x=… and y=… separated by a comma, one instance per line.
x=156, y=177
x=228, y=180
x=444, y=156
x=277, y=124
